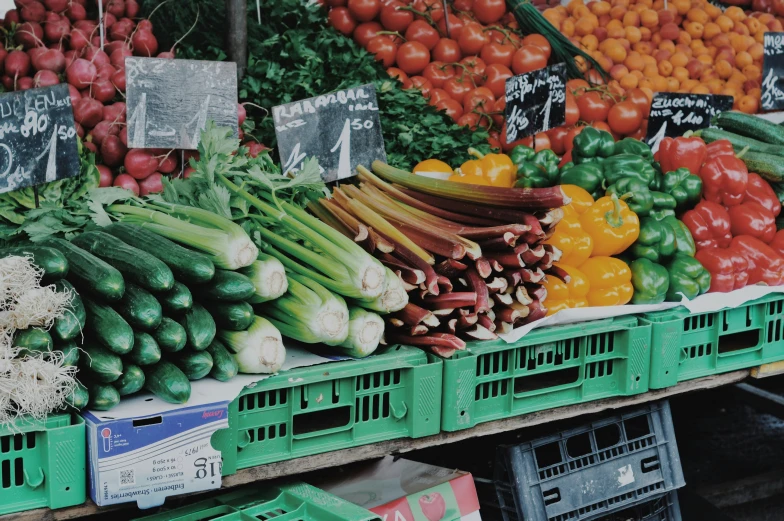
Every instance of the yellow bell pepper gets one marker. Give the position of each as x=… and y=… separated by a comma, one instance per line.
x=569, y=237
x=496, y=169
x=581, y=199
x=611, y=224
x=433, y=168
x=565, y=295
x=610, y=281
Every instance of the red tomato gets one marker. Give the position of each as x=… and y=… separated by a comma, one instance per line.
x=602, y=125
x=421, y=83
x=539, y=41
x=557, y=136
x=476, y=68
x=569, y=138
x=437, y=95
x=463, y=5
x=340, y=18
x=469, y=120
x=494, y=139
x=438, y=72
x=489, y=11
x=365, y=32
x=458, y=87
x=413, y=57
x=336, y=3
x=477, y=101
x=383, y=49
x=499, y=107
x=428, y=6
x=572, y=110
x=577, y=86
x=456, y=25
x=394, y=19
x=593, y=106
x=497, y=53
x=447, y=50
x=364, y=10
x=528, y=58
x=452, y=108
x=624, y=117
x=639, y=98
x=394, y=72
x=541, y=141
x=472, y=39
x=495, y=78
x=422, y=32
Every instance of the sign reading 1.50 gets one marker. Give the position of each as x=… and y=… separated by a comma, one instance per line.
x=341, y=129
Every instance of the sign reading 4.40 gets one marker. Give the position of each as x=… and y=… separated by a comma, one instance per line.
x=535, y=102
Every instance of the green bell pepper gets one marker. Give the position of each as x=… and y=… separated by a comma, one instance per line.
x=688, y=278
x=684, y=242
x=684, y=186
x=520, y=154
x=539, y=171
x=661, y=214
x=656, y=241
x=588, y=176
x=650, y=280
x=640, y=198
x=591, y=142
x=633, y=146
x=628, y=165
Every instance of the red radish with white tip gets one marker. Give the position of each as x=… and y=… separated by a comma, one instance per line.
x=86, y=26
x=3, y=54
x=103, y=91
x=121, y=30
x=118, y=78
x=124, y=136
x=169, y=163
x=33, y=12
x=11, y=19
x=24, y=83
x=76, y=12
x=140, y=163
x=116, y=7
x=118, y=57
x=132, y=8
x=109, y=20
x=70, y=57
x=56, y=30
x=79, y=40
x=88, y=112
x=48, y=60
x=105, y=72
x=166, y=55
x=106, y=176
x=113, y=151
x=144, y=43
x=153, y=184
x=30, y=34
x=45, y=79
x=144, y=25
x=89, y=145
x=241, y=113
x=81, y=73
x=188, y=171
x=110, y=47
x=102, y=130
x=254, y=149
x=127, y=182
x=79, y=130
x=97, y=56
x=17, y=63
x=115, y=112
x=58, y=6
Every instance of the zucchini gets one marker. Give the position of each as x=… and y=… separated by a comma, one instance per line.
x=50, y=260
x=768, y=166
x=33, y=340
x=102, y=397
x=751, y=126
x=167, y=382
x=224, y=366
x=177, y=300
x=139, y=308
x=199, y=327
x=100, y=363
x=132, y=380
x=79, y=397
x=89, y=272
x=145, y=349
x=234, y=316
x=188, y=266
x=195, y=365
x=70, y=325
x=70, y=353
x=108, y=327
x=139, y=266
x=170, y=336
x=709, y=135
x=228, y=286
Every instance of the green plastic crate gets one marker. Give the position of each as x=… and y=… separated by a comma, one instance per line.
x=549, y=367
x=295, y=502
x=42, y=464
x=394, y=394
x=687, y=346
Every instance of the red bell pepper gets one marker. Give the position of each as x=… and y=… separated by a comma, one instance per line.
x=728, y=268
x=724, y=180
x=753, y=219
x=681, y=152
x=718, y=148
x=709, y=224
x=760, y=191
x=778, y=243
x=765, y=265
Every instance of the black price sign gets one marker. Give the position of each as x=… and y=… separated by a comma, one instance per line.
x=170, y=101
x=772, y=96
x=535, y=102
x=38, y=142
x=341, y=129
x=674, y=114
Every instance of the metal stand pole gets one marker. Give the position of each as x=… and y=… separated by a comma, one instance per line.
x=237, y=37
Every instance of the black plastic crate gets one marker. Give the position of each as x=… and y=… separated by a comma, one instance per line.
x=610, y=465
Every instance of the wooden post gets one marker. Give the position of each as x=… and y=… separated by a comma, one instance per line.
x=237, y=35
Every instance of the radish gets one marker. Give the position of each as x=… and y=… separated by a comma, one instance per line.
x=127, y=182
x=29, y=34
x=109, y=20
x=151, y=185
x=88, y=112
x=103, y=91
x=115, y=7
x=168, y=55
x=140, y=163
x=144, y=25
x=58, y=6
x=79, y=40
x=76, y=12
x=241, y=113
x=45, y=79
x=34, y=53
x=89, y=145
x=33, y=12
x=56, y=28
x=144, y=43
x=81, y=73
x=118, y=78
x=83, y=3
x=17, y=63
x=70, y=57
x=121, y=30
x=57, y=46
x=105, y=72
x=79, y=130
x=97, y=56
x=132, y=8
x=86, y=26
x=8, y=82
x=74, y=92
x=188, y=171
x=104, y=129
x=169, y=163
x=106, y=176
x=114, y=112
x=118, y=57
x=11, y=18
x=241, y=134
x=254, y=149
x=24, y=83
x=113, y=151
x=188, y=154
x=48, y=60
x=124, y=136
x=110, y=47
x=3, y=54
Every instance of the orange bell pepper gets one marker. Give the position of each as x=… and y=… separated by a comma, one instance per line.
x=565, y=295
x=569, y=237
x=496, y=169
x=581, y=199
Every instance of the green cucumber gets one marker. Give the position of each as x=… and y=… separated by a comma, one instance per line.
x=136, y=265
x=768, y=166
x=145, y=349
x=108, y=327
x=224, y=366
x=51, y=260
x=195, y=365
x=70, y=352
x=79, y=397
x=140, y=308
x=751, y=126
x=170, y=335
x=102, y=396
x=100, y=364
x=89, y=272
x=132, y=380
x=228, y=286
x=71, y=324
x=166, y=381
x=188, y=266
x=709, y=135
x=177, y=300
x=234, y=316
x=199, y=326
x=33, y=340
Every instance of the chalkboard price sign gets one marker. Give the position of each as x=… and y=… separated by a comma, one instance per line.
x=772, y=96
x=535, y=102
x=37, y=138
x=170, y=101
x=341, y=129
x=673, y=114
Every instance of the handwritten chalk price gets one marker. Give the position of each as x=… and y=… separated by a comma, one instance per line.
x=535, y=102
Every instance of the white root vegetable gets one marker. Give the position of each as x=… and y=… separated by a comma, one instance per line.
x=18, y=275
x=39, y=307
x=258, y=350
